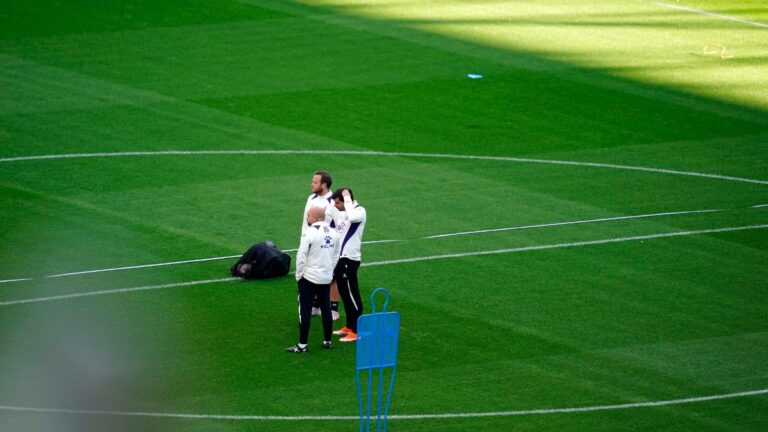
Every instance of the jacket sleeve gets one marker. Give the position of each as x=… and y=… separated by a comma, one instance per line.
x=336, y=252
x=330, y=213
x=301, y=254
x=355, y=212
x=304, y=218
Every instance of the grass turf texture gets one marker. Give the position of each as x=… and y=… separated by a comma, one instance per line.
x=619, y=82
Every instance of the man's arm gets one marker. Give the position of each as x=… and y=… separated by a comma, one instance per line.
x=304, y=217
x=336, y=251
x=330, y=214
x=354, y=213
x=301, y=254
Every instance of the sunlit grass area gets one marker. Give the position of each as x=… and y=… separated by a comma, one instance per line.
x=676, y=43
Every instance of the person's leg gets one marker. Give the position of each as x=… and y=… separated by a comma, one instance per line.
x=306, y=296
x=340, y=275
x=334, y=300
x=353, y=289
x=323, y=296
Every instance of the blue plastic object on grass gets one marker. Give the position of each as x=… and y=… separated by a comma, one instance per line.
x=377, y=337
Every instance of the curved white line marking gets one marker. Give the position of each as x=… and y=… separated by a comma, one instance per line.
x=377, y=153
x=407, y=260
x=712, y=14
x=392, y=417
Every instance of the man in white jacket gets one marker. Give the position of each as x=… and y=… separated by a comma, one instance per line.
x=349, y=217
x=321, y=197
x=316, y=258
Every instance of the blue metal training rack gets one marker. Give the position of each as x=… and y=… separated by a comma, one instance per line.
x=377, y=336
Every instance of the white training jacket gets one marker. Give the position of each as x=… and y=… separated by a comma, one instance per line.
x=318, y=253
x=350, y=225
x=315, y=200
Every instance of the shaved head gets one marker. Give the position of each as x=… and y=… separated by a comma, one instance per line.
x=315, y=214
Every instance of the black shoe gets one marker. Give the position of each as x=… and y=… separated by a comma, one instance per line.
x=327, y=345
x=296, y=349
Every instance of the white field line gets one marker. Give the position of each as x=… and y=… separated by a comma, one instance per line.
x=117, y=291
x=16, y=280
x=715, y=15
x=376, y=153
x=407, y=260
x=381, y=241
x=566, y=245
x=143, y=266
x=585, y=221
x=760, y=206
x=542, y=411
x=133, y=267
x=554, y=224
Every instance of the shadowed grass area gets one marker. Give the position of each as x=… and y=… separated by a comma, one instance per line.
x=36, y=18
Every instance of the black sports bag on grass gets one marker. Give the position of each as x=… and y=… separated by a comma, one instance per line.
x=261, y=261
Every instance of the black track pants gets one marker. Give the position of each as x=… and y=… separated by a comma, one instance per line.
x=307, y=293
x=345, y=275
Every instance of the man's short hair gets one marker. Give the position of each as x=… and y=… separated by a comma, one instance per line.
x=338, y=196
x=325, y=177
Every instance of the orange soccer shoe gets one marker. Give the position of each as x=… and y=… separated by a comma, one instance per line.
x=343, y=331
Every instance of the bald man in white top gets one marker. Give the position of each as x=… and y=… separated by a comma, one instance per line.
x=316, y=258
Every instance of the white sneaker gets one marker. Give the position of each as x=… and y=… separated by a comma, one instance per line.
x=316, y=311
x=335, y=315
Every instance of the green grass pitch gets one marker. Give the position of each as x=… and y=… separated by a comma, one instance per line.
x=576, y=241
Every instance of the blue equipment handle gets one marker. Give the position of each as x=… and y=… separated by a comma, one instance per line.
x=373, y=301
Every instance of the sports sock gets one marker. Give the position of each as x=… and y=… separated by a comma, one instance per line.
x=335, y=306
